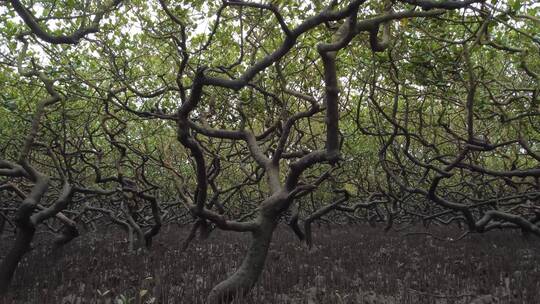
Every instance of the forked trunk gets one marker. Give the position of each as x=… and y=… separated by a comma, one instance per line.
x=14, y=256
x=245, y=277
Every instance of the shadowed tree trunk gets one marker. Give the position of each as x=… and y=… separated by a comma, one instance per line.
x=25, y=234
x=27, y=220
x=134, y=242
x=247, y=275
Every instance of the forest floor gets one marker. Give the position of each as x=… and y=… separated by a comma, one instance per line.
x=348, y=264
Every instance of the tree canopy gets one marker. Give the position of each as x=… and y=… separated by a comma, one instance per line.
x=240, y=114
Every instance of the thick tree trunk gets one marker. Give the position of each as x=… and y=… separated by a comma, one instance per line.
x=25, y=233
x=245, y=277
x=14, y=256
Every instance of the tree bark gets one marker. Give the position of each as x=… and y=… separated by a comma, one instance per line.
x=25, y=234
x=245, y=277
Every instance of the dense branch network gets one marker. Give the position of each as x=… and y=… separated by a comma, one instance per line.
x=396, y=111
